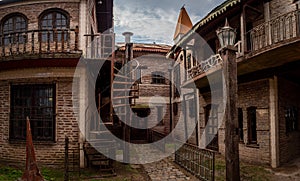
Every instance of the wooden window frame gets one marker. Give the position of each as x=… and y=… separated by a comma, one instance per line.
x=6, y=40
x=252, y=122
x=54, y=32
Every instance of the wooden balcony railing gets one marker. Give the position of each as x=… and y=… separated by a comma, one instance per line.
x=205, y=65
x=282, y=28
x=37, y=42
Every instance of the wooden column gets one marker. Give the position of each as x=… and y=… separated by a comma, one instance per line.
x=231, y=121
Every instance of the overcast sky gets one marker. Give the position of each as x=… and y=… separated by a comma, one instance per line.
x=155, y=20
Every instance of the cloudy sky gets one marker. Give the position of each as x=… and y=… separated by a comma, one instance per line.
x=155, y=20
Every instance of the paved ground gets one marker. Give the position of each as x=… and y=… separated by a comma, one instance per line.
x=287, y=172
x=165, y=170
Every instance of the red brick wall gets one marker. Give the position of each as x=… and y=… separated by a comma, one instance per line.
x=255, y=93
x=47, y=153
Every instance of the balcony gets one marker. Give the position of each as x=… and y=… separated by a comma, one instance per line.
x=279, y=31
x=270, y=44
x=34, y=44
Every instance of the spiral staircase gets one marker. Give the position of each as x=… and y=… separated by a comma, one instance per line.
x=100, y=125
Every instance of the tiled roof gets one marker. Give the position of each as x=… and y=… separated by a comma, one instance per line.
x=184, y=23
x=146, y=47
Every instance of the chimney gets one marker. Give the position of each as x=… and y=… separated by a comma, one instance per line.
x=127, y=36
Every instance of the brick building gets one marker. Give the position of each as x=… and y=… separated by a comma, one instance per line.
x=41, y=44
x=268, y=77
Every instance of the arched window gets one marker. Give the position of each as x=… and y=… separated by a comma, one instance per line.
x=13, y=26
x=52, y=22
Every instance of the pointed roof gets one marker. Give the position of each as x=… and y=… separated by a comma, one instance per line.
x=184, y=23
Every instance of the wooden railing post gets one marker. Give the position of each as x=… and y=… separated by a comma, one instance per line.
x=62, y=40
x=55, y=34
x=24, y=41
x=76, y=38
x=3, y=46
x=68, y=40
x=17, y=43
x=10, y=44
x=32, y=42
x=298, y=23
x=48, y=41
x=40, y=41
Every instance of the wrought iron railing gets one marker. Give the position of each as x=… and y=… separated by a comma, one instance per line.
x=205, y=65
x=200, y=162
x=284, y=27
x=39, y=41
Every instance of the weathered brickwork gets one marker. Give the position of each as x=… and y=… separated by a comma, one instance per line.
x=288, y=95
x=255, y=93
x=47, y=153
x=32, y=10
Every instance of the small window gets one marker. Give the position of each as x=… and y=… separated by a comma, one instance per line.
x=240, y=119
x=291, y=119
x=38, y=103
x=189, y=61
x=52, y=24
x=158, y=78
x=252, y=135
x=12, y=28
x=177, y=81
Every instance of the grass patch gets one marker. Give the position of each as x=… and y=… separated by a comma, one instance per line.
x=247, y=171
x=124, y=173
x=9, y=173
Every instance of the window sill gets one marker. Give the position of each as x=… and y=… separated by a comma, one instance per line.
x=34, y=142
x=252, y=145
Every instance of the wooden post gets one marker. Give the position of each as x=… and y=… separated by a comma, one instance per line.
x=76, y=38
x=231, y=121
x=66, y=178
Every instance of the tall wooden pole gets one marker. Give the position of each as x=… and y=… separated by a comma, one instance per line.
x=231, y=121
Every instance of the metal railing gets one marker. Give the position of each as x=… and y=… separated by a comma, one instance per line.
x=100, y=46
x=282, y=28
x=205, y=65
x=39, y=41
x=200, y=162
x=71, y=163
